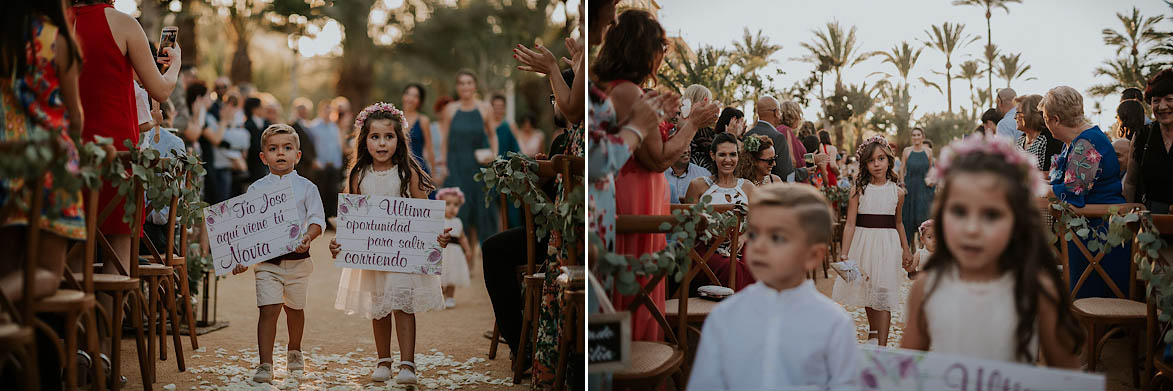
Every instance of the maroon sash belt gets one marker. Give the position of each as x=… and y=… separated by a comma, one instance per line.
x=875, y=221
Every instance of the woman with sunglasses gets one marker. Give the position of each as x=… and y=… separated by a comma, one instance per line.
x=757, y=160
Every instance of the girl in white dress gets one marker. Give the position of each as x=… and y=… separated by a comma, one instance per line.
x=928, y=244
x=993, y=289
x=457, y=261
x=875, y=238
x=383, y=166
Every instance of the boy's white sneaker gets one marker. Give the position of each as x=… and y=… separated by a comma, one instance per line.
x=382, y=373
x=264, y=374
x=449, y=302
x=406, y=376
x=296, y=361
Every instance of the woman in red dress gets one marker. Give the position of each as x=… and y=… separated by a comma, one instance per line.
x=114, y=47
x=632, y=50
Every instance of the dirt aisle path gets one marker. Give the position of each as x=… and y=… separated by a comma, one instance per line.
x=451, y=353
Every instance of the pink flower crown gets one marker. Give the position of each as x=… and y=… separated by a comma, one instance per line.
x=997, y=146
x=925, y=226
x=871, y=140
x=361, y=118
x=440, y=194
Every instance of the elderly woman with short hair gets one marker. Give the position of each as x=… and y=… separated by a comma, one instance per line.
x=1085, y=173
x=791, y=118
x=1036, y=139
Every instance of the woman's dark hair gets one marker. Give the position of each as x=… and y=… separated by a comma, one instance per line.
x=1160, y=85
x=594, y=8
x=991, y=115
x=810, y=142
x=197, y=89
x=727, y=114
x=825, y=137
x=250, y=105
x=527, y=118
x=402, y=157
x=1027, y=256
x=630, y=48
x=1131, y=93
x=1132, y=117
x=721, y=138
x=747, y=161
x=14, y=25
x=419, y=89
x=980, y=130
x=466, y=72
x=865, y=156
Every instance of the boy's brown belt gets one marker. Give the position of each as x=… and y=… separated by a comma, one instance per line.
x=875, y=221
x=289, y=257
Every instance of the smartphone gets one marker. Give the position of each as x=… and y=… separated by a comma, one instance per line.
x=809, y=158
x=166, y=39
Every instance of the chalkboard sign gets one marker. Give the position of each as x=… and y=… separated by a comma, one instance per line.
x=609, y=342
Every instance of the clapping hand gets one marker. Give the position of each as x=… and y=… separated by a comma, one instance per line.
x=704, y=114
x=574, y=47
x=537, y=60
x=736, y=127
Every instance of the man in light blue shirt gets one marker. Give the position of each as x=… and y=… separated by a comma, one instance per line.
x=328, y=160
x=680, y=175
x=1007, y=127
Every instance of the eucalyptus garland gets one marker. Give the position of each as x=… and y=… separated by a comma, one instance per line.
x=42, y=153
x=674, y=259
x=516, y=175
x=1147, y=255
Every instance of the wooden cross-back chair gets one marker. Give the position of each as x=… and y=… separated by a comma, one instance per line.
x=72, y=302
x=1103, y=317
x=1156, y=369
x=571, y=168
x=178, y=262
x=17, y=337
x=531, y=280
x=653, y=361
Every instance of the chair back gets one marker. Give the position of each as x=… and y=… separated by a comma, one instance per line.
x=136, y=228
x=545, y=170
x=164, y=256
x=1094, y=261
x=650, y=224
x=701, y=260
x=571, y=168
x=1154, y=328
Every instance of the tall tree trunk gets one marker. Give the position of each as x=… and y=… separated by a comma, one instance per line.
x=185, y=20
x=241, y=70
x=949, y=83
x=355, y=76
x=990, y=66
x=151, y=15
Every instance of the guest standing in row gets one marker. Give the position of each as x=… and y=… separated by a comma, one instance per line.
x=466, y=128
x=420, y=134
x=918, y=199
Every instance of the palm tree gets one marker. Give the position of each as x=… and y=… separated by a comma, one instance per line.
x=753, y=52
x=946, y=38
x=970, y=70
x=1139, y=32
x=1011, y=68
x=1142, y=42
x=990, y=56
x=1123, y=72
x=902, y=57
x=836, y=47
x=989, y=5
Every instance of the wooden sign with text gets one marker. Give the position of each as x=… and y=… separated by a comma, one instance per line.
x=608, y=342
x=883, y=368
x=390, y=233
x=253, y=227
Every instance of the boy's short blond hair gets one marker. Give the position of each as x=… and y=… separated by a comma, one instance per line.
x=814, y=213
x=276, y=129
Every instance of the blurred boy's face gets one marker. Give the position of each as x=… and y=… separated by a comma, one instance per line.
x=280, y=153
x=776, y=250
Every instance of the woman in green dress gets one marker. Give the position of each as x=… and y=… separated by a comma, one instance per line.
x=465, y=128
x=918, y=202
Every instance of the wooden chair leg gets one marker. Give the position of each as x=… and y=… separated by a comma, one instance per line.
x=92, y=339
x=150, y=310
x=145, y=363
x=187, y=310
x=526, y=319
x=116, y=339
x=169, y=296
x=493, y=344
x=564, y=336
x=1092, y=339
x=29, y=354
x=71, y=351
x=161, y=315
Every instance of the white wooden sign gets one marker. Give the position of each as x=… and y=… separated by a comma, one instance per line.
x=253, y=227
x=390, y=233
x=883, y=368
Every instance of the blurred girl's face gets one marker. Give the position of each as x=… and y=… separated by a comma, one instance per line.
x=766, y=161
x=382, y=141
x=466, y=87
x=451, y=205
x=411, y=99
x=978, y=220
x=725, y=158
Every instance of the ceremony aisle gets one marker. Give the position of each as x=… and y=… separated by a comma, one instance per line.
x=340, y=352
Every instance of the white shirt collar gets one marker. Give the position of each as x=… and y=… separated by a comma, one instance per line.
x=291, y=174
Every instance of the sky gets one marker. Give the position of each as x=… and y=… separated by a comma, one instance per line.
x=1060, y=39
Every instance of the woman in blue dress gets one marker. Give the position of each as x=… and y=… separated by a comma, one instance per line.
x=421, y=140
x=506, y=143
x=918, y=202
x=1085, y=173
x=465, y=128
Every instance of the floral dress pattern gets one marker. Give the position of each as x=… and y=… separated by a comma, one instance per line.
x=34, y=103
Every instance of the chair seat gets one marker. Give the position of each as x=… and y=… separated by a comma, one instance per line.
x=13, y=335
x=110, y=282
x=177, y=261
x=65, y=300
x=154, y=270
x=1109, y=308
x=698, y=309
x=651, y=359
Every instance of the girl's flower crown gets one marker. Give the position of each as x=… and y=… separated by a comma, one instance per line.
x=361, y=118
x=872, y=140
x=996, y=146
x=752, y=143
x=440, y=194
x=925, y=226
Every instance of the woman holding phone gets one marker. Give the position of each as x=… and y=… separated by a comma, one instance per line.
x=115, y=48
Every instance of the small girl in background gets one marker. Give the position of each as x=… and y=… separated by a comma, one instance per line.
x=875, y=238
x=382, y=165
x=995, y=258
x=457, y=261
x=928, y=246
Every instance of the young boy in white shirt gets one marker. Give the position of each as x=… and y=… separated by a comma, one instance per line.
x=780, y=333
x=282, y=281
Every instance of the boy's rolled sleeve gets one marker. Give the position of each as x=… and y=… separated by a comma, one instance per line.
x=314, y=212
